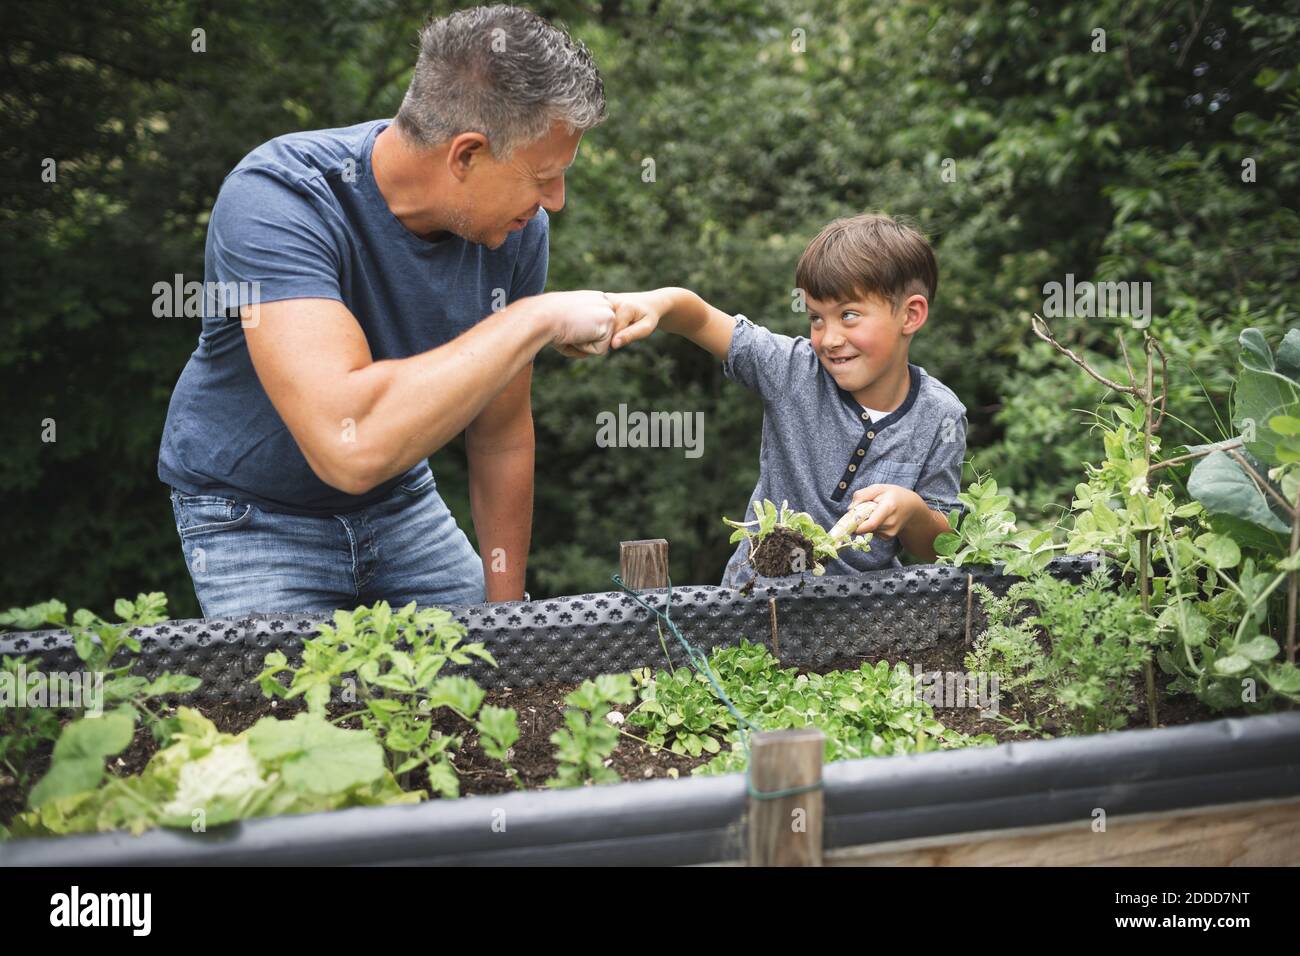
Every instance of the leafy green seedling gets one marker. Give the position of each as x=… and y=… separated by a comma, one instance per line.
x=23, y=730
x=207, y=778
x=785, y=541
x=97, y=642
x=81, y=747
x=986, y=534
x=389, y=663
x=583, y=748
x=498, y=730
x=875, y=710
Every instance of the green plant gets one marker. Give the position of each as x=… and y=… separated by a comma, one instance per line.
x=1098, y=640
x=1209, y=564
x=97, y=642
x=679, y=710
x=986, y=533
x=1224, y=604
x=23, y=730
x=390, y=662
x=36, y=616
x=206, y=778
x=875, y=710
x=1008, y=646
x=582, y=749
x=1069, y=652
x=798, y=525
x=498, y=729
x=77, y=762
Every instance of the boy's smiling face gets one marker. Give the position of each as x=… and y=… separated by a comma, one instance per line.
x=862, y=341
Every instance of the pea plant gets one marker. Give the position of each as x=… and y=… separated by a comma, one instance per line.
x=1227, y=599
x=1213, y=565
x=1219, y=561
x=390, y=663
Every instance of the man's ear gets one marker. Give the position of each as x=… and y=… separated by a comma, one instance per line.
x=915, y=311
x=465, y=150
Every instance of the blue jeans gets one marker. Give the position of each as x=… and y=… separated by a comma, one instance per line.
x=405, y=548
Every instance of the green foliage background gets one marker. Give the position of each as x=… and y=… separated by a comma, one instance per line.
x=1123, y=165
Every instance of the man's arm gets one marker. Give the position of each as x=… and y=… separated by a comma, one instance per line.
x=500, y=447
x=360, y=422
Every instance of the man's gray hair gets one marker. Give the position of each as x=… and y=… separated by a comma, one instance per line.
x=503, y=72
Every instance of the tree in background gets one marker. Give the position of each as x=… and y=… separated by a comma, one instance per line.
x=1025, y=143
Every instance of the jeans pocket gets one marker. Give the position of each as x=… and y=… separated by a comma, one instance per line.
x=208, y=514
x=419, y=486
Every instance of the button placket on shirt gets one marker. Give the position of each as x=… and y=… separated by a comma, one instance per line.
x=869, y=434
x=859, y=453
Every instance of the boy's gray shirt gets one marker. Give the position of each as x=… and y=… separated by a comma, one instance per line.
x=819, y=445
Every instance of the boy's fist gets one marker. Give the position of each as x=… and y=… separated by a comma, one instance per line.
x=636, y=315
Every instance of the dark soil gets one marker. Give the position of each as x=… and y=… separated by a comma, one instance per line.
x=774, y=557
x=541, y=711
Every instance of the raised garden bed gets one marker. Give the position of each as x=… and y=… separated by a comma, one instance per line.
x=913, y=614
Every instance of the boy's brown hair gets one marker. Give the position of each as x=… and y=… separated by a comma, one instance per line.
x=869, y=254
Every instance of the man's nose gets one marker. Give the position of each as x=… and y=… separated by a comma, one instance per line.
x=553, y=196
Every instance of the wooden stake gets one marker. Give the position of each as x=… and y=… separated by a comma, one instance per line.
x=1291, y=588
x=1148, y=670
x=776, y=644
x=786, y=831
x=970, y=604
x=644, y=564
x=1147, y=395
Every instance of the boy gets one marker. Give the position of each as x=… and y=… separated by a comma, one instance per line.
x=846, y=417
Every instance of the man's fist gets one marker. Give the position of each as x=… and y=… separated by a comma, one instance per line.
x=581, y=323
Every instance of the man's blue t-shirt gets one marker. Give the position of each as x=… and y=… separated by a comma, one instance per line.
x=302, y=217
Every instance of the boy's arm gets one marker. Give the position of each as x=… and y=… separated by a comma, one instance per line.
x=917, y=536
x=679, y=311
x=903, y=514
x=917, y=517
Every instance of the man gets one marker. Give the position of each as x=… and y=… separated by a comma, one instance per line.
x=377, y=293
